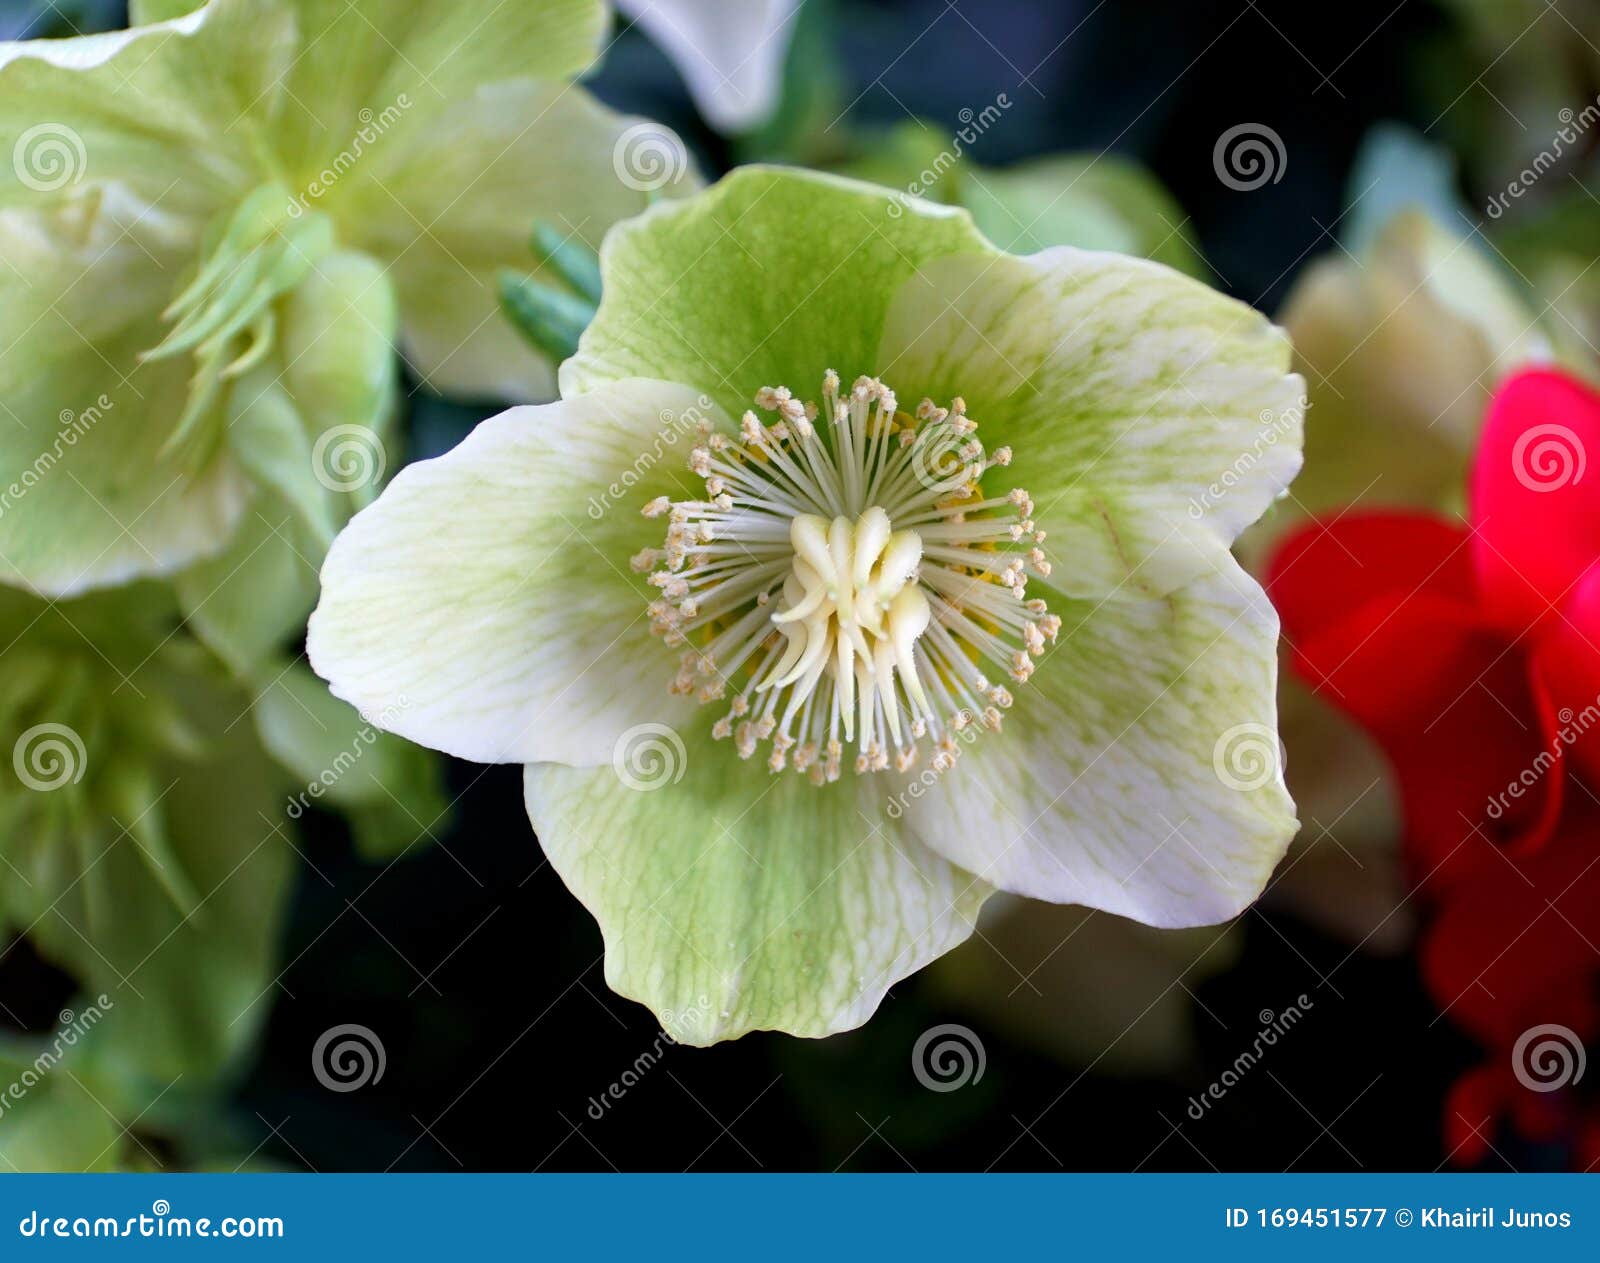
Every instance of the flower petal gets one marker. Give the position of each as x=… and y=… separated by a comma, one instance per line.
x=1380, y=613
x=377, y=74
x=91, y=500
x=1535, y=502
x=732, y=900
x=1567, y=659
x=452, y=203
x=1150, y=418
x=1102, y=202
x=161, y=109
x=768, y=278
x=729, y=52
x=1138, y=770
x=483, y=605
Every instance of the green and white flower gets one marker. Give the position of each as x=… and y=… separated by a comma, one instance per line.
x=142, y=841
x=980, y=641
x=218, y=224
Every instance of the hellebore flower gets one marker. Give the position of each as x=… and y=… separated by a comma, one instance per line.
x=216, y=227
x=1471, y=653
x=140, y=826
x=857, y=590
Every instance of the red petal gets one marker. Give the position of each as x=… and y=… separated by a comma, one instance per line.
x=1451, y=704
x=1535, y=500
x=1325, y=570
x=1511, y=949
x=1567, y=658
x=1472, y=1113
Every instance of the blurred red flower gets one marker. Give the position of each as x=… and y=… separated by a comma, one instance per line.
x=1471, y=653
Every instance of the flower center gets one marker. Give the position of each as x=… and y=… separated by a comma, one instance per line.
x=224, y=316
x=845, y=581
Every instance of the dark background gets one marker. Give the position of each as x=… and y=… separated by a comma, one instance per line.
x=482, y=976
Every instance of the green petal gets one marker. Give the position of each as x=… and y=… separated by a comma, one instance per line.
x=90, y=499
x=170, y=110
x=1098, y=203
x=1150, y=418
x=1138, y=770
x=57, y=1125
x=249, y=602
x=389, y=787
x=369, y=75
x=164, y=875
x=732, y=900
x=768, y=278
x=339, y=329
x=453, y=202
x=484, y=605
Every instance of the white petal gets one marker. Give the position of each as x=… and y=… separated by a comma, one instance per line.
x=1138, y=770
x=729, y=52
x=483, y=605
